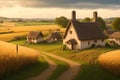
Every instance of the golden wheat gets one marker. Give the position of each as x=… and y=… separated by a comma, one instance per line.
x=22, y=31
x=10, y=60
x=111, y=61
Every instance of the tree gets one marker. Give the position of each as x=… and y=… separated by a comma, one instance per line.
x=102, y=23
x=62, y=21
x=116, y=24
x=87, y=19
x=1, y=21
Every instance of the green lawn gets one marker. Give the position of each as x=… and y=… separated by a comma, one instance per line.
x=27, y=71
x=90, y=69
x=33, y=23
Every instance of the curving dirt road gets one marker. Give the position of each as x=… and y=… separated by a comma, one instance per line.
x=46, y=73
x=71, y=73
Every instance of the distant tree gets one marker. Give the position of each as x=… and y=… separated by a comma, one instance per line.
x=62, y=21
x=1, y=21
x=102, y=23
x=87, y=19
x=116, y=24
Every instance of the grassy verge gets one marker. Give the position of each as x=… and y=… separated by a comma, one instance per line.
x=33, y=23
x=27, y=71
x=61, y=67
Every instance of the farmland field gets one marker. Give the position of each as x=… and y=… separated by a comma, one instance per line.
x=34, y=23
x=90, y=70
x=111, y=61
x=9, y=33
x=13, y=58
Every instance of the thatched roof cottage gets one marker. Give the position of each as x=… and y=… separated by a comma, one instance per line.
x=35, y=37
x=53, y=37
x=80, y=35
x=114, y=38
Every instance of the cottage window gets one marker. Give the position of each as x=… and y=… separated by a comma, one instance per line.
x=70, y=32
x=117, y=39
x=95, y=41
x=88, y=42
x=102, y=40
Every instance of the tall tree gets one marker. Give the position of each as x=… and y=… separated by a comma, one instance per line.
x=87, y=19
x=116, y=24
x=102, y=23
x=62, y=21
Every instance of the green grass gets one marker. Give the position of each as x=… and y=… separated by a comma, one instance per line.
x=89, y=70
x=94, y=72
x=61, y=67
x=27, y=71
x=33, y=23
x=42, y=47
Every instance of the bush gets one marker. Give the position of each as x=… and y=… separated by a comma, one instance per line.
x=116, y=24
x=64, y=47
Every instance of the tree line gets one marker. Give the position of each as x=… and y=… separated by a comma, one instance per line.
x=63, y=21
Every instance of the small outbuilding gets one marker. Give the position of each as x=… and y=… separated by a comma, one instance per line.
x=114, y=39
x=35, y=37
x=53, y=37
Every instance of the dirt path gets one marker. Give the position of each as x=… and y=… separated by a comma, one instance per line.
x=71, y=73
x=46, y=73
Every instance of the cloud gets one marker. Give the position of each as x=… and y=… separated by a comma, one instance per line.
x=79, y=4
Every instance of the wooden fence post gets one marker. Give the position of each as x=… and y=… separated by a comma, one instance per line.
x=17, y=49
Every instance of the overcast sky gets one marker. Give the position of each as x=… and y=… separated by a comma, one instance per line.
x=56, y=8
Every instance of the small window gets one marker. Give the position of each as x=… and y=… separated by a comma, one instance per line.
x=95, y=41
x=102, y=40
x=70, y=32
x=88, y=42
x=117, y=39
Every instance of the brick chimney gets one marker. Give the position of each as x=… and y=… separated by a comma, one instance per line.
x=73, y=15
x=95, y=16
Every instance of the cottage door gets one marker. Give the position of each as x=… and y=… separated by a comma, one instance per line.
x=72, y=46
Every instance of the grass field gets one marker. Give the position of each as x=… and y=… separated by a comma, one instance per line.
x=90, y=70
x=33, y=23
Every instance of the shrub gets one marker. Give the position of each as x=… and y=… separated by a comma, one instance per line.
x=64, y=47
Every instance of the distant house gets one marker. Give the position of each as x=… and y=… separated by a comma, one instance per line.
x=114, y=39
x=53, y=37
x=35, y=37
x=80, y=35
x=109, y=31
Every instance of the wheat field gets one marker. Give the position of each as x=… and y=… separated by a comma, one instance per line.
x=111, y=61
x=11, y=60
x=23, y=31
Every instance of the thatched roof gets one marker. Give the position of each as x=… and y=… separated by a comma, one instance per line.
x=34, y=35
x=86, y=31
x=55, y=35
x=109, y=32
x=115, y=35
x=72, y=41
